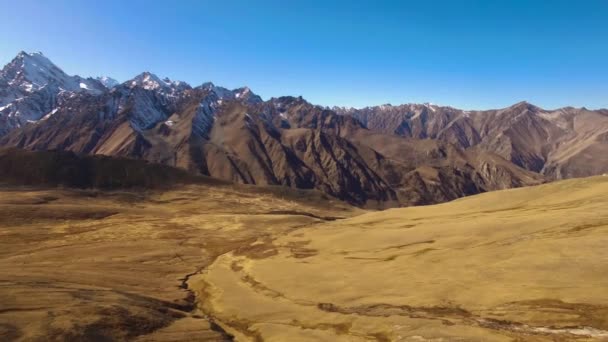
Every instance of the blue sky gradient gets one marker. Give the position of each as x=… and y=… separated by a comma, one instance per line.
x=467, y=54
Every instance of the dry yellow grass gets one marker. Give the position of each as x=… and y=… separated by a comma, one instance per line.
x=222, y=262
x=95, y=266
x=528, y=264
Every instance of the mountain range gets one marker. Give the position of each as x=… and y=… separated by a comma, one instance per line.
x=380, y=156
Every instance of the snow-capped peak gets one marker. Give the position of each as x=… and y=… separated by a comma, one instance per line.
x=241, y=92
x=31, y=87
x=30, y=72
x=221, y=92
x=150, y=81
x=176, y=84
x=23, y=54
x=245, y=94
x=108, y=82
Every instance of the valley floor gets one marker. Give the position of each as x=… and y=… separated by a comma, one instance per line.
x=83, y=265
x=527, y=264
x=222, y=263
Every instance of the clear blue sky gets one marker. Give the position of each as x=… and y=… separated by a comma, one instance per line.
x=468, y=54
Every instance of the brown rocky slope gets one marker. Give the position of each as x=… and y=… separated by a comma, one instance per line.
x=284, y=141
x=562, y=143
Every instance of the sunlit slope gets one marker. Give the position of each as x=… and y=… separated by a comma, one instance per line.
x=526, y=264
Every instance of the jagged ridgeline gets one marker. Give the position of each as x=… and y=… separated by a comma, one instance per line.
x=378, y=156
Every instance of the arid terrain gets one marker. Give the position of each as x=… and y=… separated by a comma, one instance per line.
x=246, y=263
x=85, y=265
x=517, y=265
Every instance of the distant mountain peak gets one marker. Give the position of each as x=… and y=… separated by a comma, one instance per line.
x=525, y=105
x=244, y=93
x=30, y=72
x=150, y=81
x=147, y=80
x=220, y=92
x=108, y=82
x=31, y=85
x=243, y=90
x=23, y=54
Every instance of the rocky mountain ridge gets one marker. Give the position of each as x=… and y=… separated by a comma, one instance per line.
x=379, y=156
x=562, y=143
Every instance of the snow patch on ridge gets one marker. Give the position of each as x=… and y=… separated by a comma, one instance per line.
x=108, y=82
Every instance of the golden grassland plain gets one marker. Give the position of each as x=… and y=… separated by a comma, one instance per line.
x=85, y=265
x=222, y=263
x=527, y=264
